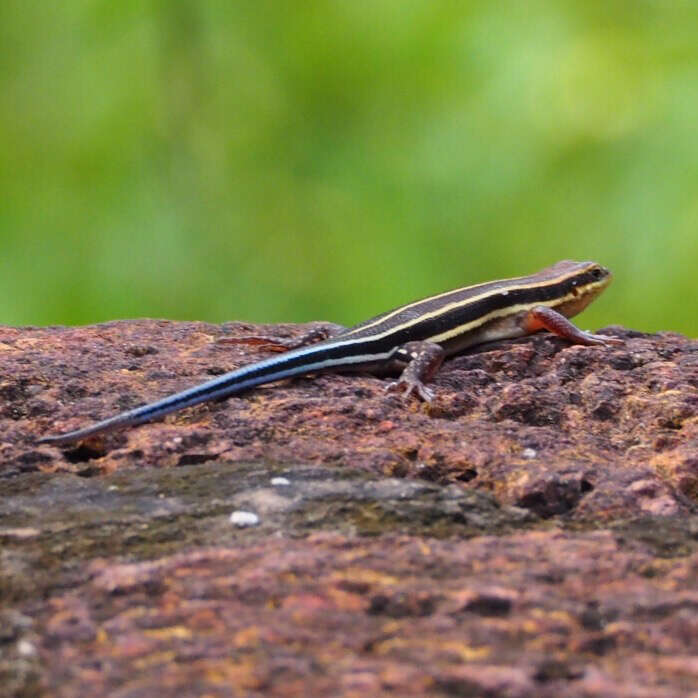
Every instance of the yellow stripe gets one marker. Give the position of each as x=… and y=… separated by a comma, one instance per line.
x=474, y=299
x=511, y=310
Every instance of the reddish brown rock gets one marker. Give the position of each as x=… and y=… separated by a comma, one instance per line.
x=535, y=614
x=532, y=532
x=585, y=431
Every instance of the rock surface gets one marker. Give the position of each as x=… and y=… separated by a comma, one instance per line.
x=532, y=532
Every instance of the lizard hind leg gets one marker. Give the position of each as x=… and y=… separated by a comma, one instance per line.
x=316, y=334
x=425, y=359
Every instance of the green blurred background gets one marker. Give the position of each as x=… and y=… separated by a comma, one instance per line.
x=273, y=161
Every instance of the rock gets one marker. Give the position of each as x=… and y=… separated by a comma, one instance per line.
x=532, y=532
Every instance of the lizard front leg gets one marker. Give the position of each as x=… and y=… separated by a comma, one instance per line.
x=541, y=317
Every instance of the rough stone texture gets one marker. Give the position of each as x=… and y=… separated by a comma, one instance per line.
x=532, y=532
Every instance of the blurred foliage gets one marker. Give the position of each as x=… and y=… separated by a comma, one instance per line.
x=275, y=161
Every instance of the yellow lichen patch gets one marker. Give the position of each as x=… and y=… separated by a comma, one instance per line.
x=345, y=600
x=155, y=659
x=30, y=343
x=247, y=637
x=360, y=575
x=244, y=674
x=172, y=632
x=466, y=653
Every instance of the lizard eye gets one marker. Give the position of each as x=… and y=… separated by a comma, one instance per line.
x=596, y=273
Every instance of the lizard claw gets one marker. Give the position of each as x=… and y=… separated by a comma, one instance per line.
x=411, y=386
x=613, y=341
x=604, y=340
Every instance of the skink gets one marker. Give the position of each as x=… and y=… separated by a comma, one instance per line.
x=417, y=337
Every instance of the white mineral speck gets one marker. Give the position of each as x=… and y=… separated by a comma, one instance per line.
x=244, y=518
x=26, y=648
x=529, y=453
x=280, y=481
